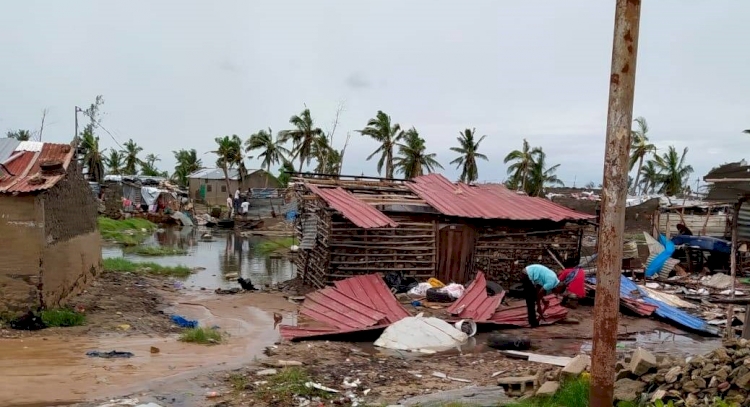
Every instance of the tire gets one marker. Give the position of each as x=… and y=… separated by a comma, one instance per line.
x=433, y=295
x=508, y=342
x=494, y=288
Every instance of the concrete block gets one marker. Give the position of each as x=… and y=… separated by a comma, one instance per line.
x=641, y=362
x=575, y=367
x=548, y=389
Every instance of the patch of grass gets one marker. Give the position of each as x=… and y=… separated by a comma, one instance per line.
x=156, y=251
x=129, y=232
x=270, y=246
x=574, y=393
x=62, y=317
x=239, y=382
x=124, y=265
x=288, y=383
x=203, y=336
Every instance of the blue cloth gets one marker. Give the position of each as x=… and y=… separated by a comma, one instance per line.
x=183, y=322
x=540, y=275
x=658, y=262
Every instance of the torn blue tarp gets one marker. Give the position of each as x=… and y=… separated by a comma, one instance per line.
x=657, y=263
x=704, y=243
x=679, y=317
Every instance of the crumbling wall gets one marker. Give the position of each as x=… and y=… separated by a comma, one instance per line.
x=21, y=237
x=112, y=199
x=502, y=251
x=71, y=256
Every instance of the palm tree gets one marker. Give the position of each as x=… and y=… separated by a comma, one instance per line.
x=238, y=158
x=302, y=136
x=387, y=134
x=187, y=163
x=523, y=161
x=227, y=154
x=468, y=158
x=131, y=152
x=114, y=162
x=649, y=177
x=673, y=172
x=272, y=152
x=148, y=166
x=20, y=135
x=540, y=176
x=639, y=148
x=92, y=157
x=412, y=160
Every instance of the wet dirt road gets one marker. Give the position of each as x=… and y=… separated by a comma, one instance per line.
x=54, y=370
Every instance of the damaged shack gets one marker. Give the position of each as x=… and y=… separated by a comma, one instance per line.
x=50, y=247
x=428, y=227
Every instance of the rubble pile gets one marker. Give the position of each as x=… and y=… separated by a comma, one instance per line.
x=697, y=381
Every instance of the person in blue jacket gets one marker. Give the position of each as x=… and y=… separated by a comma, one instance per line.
x=538, y=281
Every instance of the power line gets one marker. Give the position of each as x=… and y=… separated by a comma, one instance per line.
x=102, y=127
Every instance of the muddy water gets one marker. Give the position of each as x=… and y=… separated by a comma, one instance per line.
x=53, y=369
x=226, y=254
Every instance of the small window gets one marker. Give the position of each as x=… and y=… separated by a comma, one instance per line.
x=208, y=187
x=223, y=188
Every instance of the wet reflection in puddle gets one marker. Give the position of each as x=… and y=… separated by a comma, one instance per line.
x=226, y=254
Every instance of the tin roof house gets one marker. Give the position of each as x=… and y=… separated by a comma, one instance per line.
x=50, y=246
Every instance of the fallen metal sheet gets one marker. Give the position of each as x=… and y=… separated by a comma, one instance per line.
x=332, y=307
x=516, y=314
x=297, y=333
x=635, y=304
x=535, y=357
x=669, y=299
x=371, y=290
x=475, y=303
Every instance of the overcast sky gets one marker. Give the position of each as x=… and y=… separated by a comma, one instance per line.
x=176, y=74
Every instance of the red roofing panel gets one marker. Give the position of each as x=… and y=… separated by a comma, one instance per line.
x=337, y=309
x=487, y=201
x=371, y=290
x=360, y=213
x=516, y=314
x=25, y=167
x=475, y=303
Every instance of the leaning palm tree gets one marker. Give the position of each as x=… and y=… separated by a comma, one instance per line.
x=540, y=176
x=187, y=163
x=649, y=177
x=226, y=155
x=148, y=166
x=412, y=160
x=114, y=162
x=272, y=152
x=92, y=157
x=387, y=134
x=673, y=171
x=523, y=161
x=468, y=158
x=639, y=148
x=131, y=152
x=302, y=136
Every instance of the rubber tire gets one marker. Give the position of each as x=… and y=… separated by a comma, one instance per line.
x=508, y=342
x=494, y=288
x=433, y=295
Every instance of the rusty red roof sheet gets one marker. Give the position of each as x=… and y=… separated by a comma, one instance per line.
x=371, y=290
x=475, y=303
x=487, y=201
x=25, y=168
x=360, y=213
x=361, y=303
x=516, y=313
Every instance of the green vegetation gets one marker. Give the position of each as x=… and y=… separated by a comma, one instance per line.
x=288, y=383
x=239, y=382
x=124, y=265
x=203, y=336
x=129, y=232
x=156, y=251
x=62, y=317
x=574, y=393
x=271, y=246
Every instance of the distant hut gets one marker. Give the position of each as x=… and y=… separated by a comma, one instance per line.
x=428, y=227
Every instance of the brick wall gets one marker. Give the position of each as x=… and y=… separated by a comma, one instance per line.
x=69, y=208
x=22, y=232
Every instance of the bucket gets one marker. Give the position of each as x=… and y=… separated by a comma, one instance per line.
x=466, y=326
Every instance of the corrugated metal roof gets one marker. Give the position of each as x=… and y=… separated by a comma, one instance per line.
x=7, y=147
x=361, y=303
x=25, y=167
x=475, y=303
x=487, y=201
x=218, y=173
x=516, y=313
x=371, y=290
x=360, y=213
x=33, y=146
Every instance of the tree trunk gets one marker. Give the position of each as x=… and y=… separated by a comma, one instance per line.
x=638, y=175
x=389, y=163
x=226, y=178
x=525, y=175
x=301, y=161
x=268, y=171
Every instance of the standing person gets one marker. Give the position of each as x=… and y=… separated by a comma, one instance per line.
x=537, y=281
x=237, y=201
x=230, y=205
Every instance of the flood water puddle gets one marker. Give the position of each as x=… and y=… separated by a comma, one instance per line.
x=226, y=254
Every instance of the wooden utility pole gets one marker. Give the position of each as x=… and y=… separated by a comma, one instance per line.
x=614, y=193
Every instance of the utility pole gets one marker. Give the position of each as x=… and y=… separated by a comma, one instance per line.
x=614, y=192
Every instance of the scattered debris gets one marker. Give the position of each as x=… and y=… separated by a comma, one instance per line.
x=472, y=396
x=183, y=322
x=154, y=349
x=266, y=372
x=418, y=333
x=109, y=355
x=548, y=389
x=575, y=367
x=282, y=363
